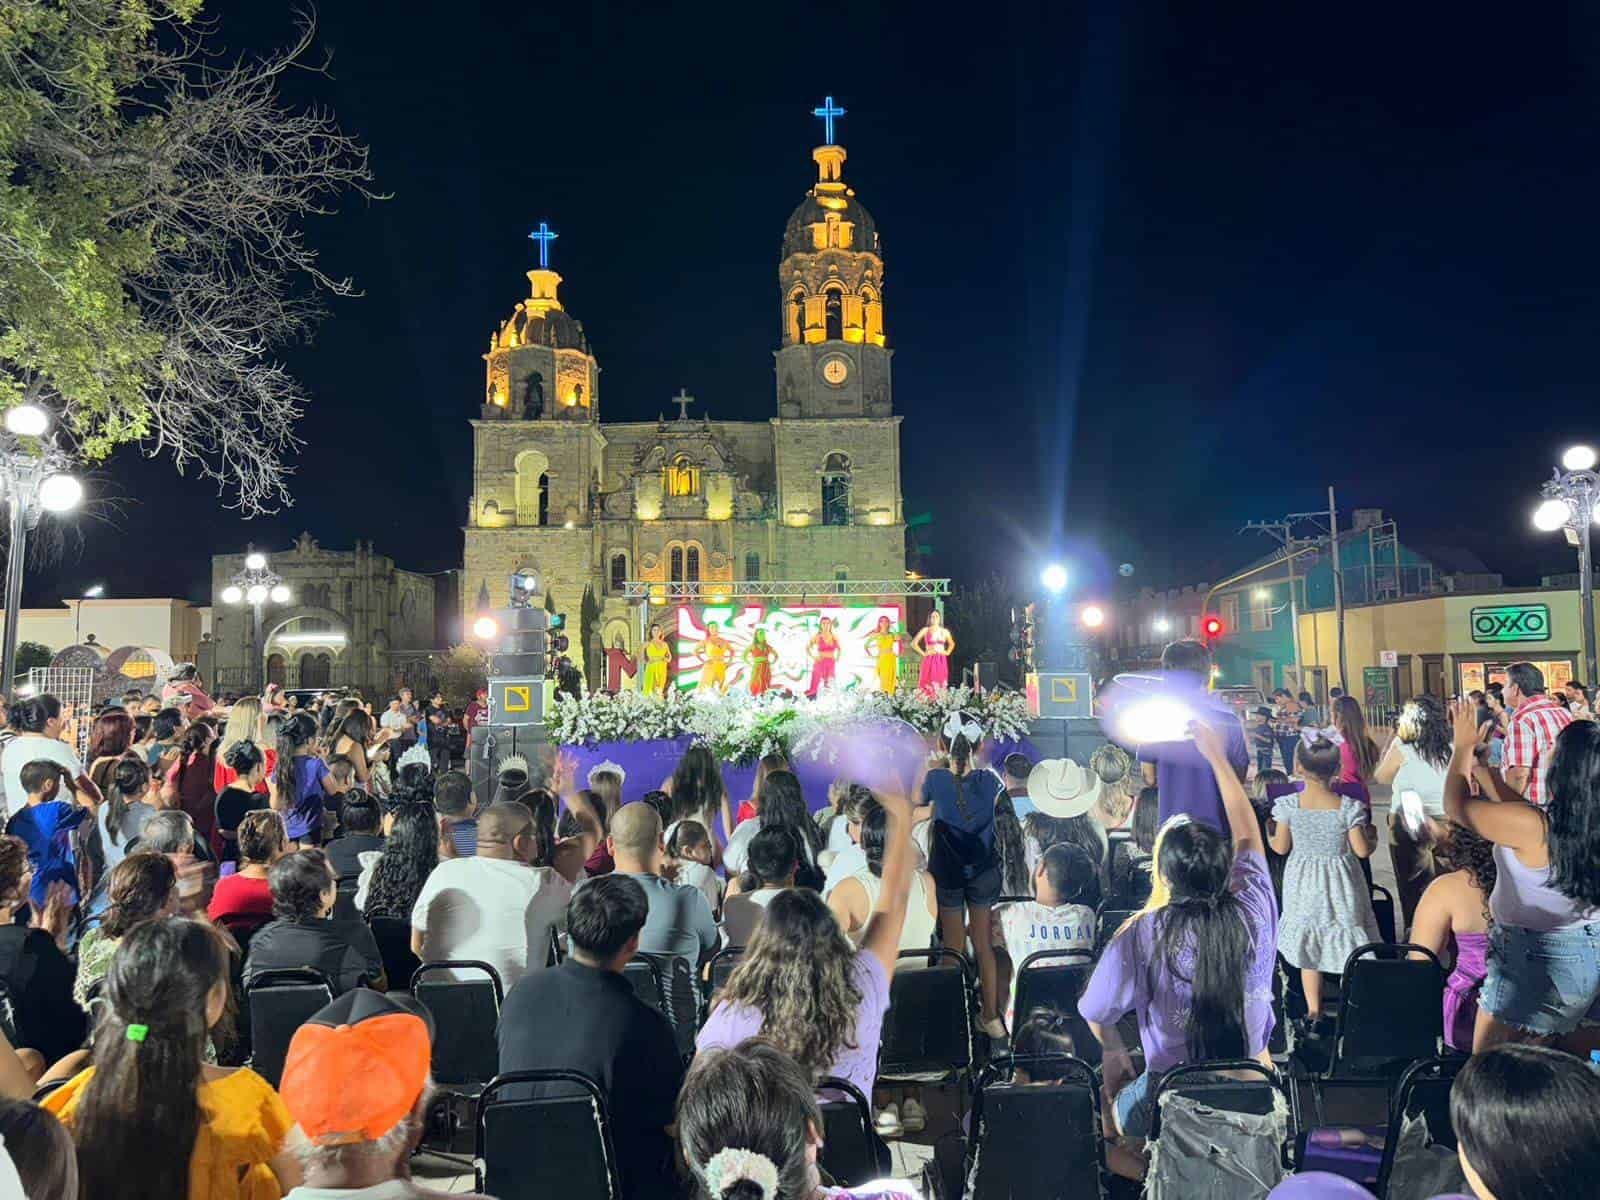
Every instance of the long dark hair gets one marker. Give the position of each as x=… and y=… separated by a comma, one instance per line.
x=1352, y=726
x=139, y=1114
x=111, y=736
x=1422, y=724
x=1524, y=1116
x=1008, y=842
x=1466, y=850
x=33, y=714
x=295, y=732
x=752, y=1097
x=541, y=803
x=196, y=744
x=139, y=888
x=409, y=856
x=1200, y=938
x=783, y=806
x=1076, y=831
x=697, y=785
x=129, y=780
x=40, y=1148
x=1572, y=813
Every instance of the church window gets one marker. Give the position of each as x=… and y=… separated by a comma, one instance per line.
x=544, y=499
x=676, y=559
x=349, y=598
x=683, y=478
x=833, y=316
x=692, y=572
x=752, y=566
x=797, y=313
x=836, y=490
x=619, y=572
x=841, y=574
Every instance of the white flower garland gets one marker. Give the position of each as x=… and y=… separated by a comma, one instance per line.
x=742, y=728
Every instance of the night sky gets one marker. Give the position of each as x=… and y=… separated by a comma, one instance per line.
x=1149, y=273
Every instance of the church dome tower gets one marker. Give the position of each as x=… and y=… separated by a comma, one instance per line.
x=833, y=358
x=540, y=366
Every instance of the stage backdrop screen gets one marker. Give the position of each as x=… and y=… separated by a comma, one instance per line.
x=789, y=629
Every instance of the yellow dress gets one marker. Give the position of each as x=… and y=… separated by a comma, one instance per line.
x=656, y=655
x=715, y=672
x=888, y=660
x=242, y=1126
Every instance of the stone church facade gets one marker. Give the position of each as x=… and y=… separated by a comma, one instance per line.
x=811, y=493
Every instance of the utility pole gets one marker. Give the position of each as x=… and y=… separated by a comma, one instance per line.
x=1338, y=584
x=1283, y=532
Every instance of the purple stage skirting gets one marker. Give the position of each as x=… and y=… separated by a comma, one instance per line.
x=860, y=758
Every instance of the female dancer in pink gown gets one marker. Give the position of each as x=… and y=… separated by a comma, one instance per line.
x=824, y=650
x=935, y=644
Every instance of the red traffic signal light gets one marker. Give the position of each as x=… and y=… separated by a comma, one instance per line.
x=1212, y=628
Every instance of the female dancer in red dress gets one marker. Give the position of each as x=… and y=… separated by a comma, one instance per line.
x=934, y=643
x=761, y=656
x=824, y=651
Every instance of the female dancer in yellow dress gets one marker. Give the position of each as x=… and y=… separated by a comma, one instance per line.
x=715, y=653
x=760, y=657
x=656, y=656
x=884, y=646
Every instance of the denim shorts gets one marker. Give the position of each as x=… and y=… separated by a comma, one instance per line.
x=1135, y=1107
x=1543, y=983
x=981, y=891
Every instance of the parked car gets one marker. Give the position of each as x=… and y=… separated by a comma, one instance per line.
x=1243, y=700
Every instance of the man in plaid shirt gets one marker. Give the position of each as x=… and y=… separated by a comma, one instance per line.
x=1536, y=722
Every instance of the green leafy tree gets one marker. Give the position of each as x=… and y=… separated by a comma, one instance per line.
x=589, y=635
x=31, y=655
x=460, y=672
x=152, y=263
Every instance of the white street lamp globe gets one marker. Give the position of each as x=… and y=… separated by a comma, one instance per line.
x=257, y=593
x=60, y=493
x=255, y=561
x=1162, y=625
x=1094, y=616
x=95, y=591
x=27, y=420
x=280, y=594
x=1579, y=458
x=1054, y=577
x=1550, y=515
x=232, y=594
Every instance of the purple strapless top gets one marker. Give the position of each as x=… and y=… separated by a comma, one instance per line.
x=1461, y=989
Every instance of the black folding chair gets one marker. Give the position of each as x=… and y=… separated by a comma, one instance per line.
x=1210, y=1084
x=1383, y=909
x=852, y=1152
x=550, y=1136
x=666, y=983
x=466, y=1016
x=1424, y=1090
x=1055, y=979
x=393, y=937
x=279, y=1002
x=718, y=970
x=1111, y=920
x=1391, y=1014
x=1007, y=1160
x=344, y=899
x=927, y=1032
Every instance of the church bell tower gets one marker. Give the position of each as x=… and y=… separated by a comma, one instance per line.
x=833, y=358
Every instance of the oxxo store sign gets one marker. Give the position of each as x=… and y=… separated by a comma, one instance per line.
x=1510, y=623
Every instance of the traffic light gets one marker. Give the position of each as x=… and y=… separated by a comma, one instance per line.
x=1211, y=627
x=557, y=643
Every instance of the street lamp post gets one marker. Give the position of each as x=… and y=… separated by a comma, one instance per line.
x=255, y=585
x=89, y=593
x=34, y=479
x=1569, y=504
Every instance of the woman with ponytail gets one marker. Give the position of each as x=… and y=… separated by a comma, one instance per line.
x=963, y=860
x=750, y=1128
x=151, y=1120
x=124, y=813
x=1198, y=970
x=190, y=784
x=300, y=780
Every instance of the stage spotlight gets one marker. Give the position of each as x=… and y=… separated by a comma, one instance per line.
x=1054, y=577
x=1162, y=625
x=1579, y=458
x=485, y=629
x=1093, y=616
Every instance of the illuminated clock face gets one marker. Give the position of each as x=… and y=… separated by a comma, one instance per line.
x=836, y=371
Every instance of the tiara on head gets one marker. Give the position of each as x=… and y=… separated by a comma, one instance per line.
x=417, y=754
x=608, y=765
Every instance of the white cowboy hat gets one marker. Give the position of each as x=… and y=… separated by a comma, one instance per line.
x=1059, y=787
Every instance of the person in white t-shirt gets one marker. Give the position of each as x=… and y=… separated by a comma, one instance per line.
x=495, y=907
x=37, y=723
x=1415, y=766
x=1061, y=915
x=690, y=851
x=773, y=861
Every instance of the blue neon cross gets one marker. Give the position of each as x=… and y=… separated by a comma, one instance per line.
x=544, y=235
x=828, y=112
